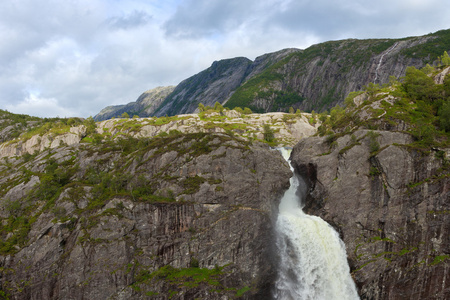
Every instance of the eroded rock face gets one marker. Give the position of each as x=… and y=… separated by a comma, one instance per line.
x=204, y=205
x=390, y=203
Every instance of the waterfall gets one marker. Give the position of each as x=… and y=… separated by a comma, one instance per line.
x=381, y=60
x=313, y=262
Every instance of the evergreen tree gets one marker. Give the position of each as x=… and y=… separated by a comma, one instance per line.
x=269, y=135
x=218, y=107
x=445, y=59
x=444, y=116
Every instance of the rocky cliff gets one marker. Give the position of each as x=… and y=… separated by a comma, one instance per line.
x=168, y=208
x=316, y=78
x=391, y=209
x=386, y=189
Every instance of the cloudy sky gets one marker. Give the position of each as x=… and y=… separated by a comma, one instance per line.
x=74, y=57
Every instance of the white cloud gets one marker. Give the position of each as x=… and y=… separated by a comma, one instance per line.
x=40, y=107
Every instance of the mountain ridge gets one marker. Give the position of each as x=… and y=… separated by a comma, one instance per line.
x=316, y=78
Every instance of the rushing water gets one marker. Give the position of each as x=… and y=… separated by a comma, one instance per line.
x=313, y=262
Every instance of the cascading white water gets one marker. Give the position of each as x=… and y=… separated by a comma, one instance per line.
x=381, y=60
x=313, y=262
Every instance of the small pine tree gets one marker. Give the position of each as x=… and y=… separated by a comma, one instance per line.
x=269, y=135
x=125, y=115
x=291, y=110
x=218, y=107
x=444, y=59
x=90, y=125
x=201, y=107
x=393, y=80
x=247, y=111
x=427, y=70
x=372, y=89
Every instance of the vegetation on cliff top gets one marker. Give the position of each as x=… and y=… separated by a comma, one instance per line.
x=415, y=105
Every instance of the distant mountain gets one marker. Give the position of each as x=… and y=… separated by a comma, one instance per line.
x=316, y=78
x=145, y=105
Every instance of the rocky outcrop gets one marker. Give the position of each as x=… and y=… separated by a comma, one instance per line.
x=287, y=129
x=144, y=106
x=390, y=203
x=183, y=216
x=439, y=78
x=38, y=143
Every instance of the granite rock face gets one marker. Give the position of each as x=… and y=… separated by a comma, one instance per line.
x=390, y=204
x=180, y=217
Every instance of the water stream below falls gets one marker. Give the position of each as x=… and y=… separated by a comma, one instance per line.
x=313, y=262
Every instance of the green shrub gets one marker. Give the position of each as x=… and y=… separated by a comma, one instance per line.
x=194, y=262
x=374, y=146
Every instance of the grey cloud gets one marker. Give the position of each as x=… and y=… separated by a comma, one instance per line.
x=202, y=18
x=131, y=20
x=324, y=18
x=358, y=19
